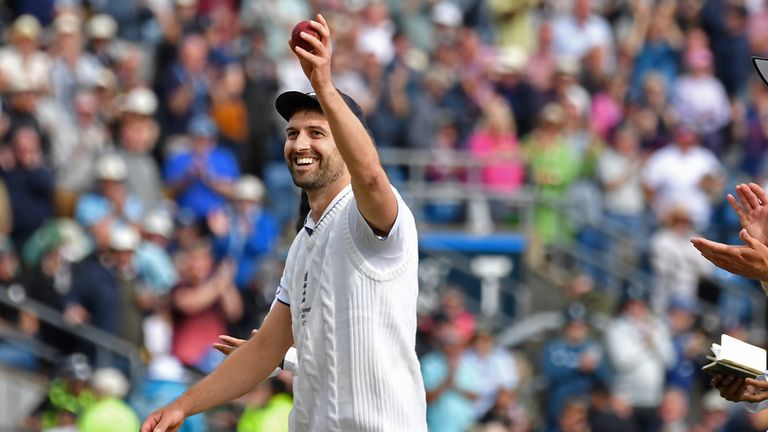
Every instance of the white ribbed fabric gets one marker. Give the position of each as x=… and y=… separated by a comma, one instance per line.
x=354, y=328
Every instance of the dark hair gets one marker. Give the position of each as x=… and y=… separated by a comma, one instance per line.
x=303, y=211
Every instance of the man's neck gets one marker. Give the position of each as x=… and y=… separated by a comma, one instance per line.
x=320, y=199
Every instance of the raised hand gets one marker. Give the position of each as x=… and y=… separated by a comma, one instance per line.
x=752, y=209
x=316, y=64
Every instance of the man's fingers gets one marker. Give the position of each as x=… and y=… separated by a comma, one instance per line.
x=758, y=384
x=748, y=239
x=224, y=349
x=759, y=191
x=748, y=198
x=735, y=206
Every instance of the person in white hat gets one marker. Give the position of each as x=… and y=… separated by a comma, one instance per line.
x=247, y=235
x=101, y=30
x=72, y=68
x=110, y=195
x=22, y=59
x=137, y=136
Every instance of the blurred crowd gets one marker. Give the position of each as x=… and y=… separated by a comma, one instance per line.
x=143, y=188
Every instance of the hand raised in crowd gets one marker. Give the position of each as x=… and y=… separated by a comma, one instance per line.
x=737, y=389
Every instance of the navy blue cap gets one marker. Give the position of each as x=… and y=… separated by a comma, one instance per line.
x=291, y=101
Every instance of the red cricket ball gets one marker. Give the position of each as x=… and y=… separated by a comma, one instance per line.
x=296, y=39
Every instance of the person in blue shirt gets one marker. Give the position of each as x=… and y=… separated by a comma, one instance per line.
x=574, y=361
x=243, y=232
x=201, y=178
x=451, y=382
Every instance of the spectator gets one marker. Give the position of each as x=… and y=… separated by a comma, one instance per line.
x=186, y=87
x=108, y=412
x=512, y=83
x=451, y=382
x=137, y=136
x=580, y=31
x=71, y=68
x=699, y=100
x=245, y=234
x=640, y=349
x=674, y=410
x=690, y=344
x=273, y=415
x=76, y=152
x=495, y=143
x=110, y=197
x=452, y=308
x=152, y=259
x=605, y=414
x=730, y=45
x=30, y=185
x=260, y=88
x=204, y=303
x=101, y=30
x=677, y=267
x=201, y=178
x=683, y=172
x=553, y=168
x=22, y=59
x=573, y=363
x=497, y=370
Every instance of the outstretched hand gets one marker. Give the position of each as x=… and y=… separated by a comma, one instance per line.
x=229, y=343
x=737, y=389
x=752, y=209
x=316, y=64
x=749, y=261
x=167, y=419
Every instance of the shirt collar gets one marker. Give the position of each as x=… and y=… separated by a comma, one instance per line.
x=310, y=224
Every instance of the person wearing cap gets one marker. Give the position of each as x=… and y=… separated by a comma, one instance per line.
x=101, y=30
x=110, y=195
x=137, y=136
x=508, y=73
x=22, y=59
x=641, y=351
x=244, y=233
x=573, y=362
x=30, y=185
x=108, y=413
x=677, y=267
x=72, y=68
x=347, y=297
x=201, y=178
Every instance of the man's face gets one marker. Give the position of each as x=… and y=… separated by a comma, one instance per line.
x=310, y=151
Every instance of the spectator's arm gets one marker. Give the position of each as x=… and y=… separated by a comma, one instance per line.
x=231, y=303
x=193, y=300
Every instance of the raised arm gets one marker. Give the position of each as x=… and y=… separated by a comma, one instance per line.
x=240, y=372
x=374, y=196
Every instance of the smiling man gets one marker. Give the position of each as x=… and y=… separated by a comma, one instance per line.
x=347, y=297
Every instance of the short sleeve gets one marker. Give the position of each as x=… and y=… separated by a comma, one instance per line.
x=281, y=294
x=383, y=253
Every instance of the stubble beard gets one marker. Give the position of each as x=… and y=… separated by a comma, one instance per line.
x=324, y=175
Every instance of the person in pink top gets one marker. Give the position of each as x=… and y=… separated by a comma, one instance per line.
x=495, y=143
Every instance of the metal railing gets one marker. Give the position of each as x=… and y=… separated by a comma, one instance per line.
x=107, y=345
